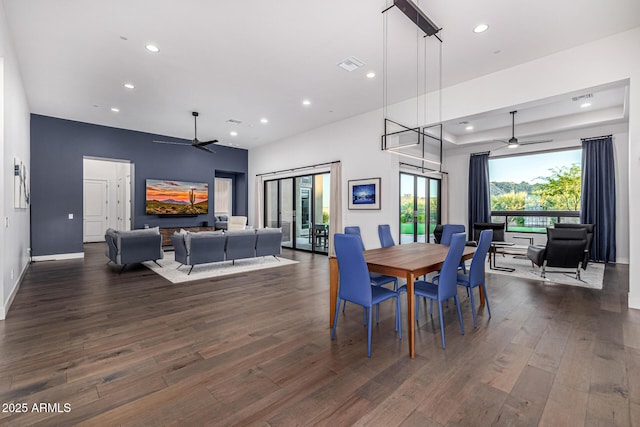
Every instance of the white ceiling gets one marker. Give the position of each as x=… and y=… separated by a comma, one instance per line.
x=245, y=60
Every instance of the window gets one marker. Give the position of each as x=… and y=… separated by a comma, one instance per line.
x=223, y=193
x=545, y=185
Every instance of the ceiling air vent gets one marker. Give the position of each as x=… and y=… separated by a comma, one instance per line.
x=234, y=121
x=350, y=64
x=582, y=97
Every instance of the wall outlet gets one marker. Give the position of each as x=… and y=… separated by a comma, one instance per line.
x=6, y=222
x=70, y=216
x=12, y=273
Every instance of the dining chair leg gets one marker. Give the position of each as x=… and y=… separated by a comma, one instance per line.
x=473, y=306
x=369, y=332
x=377, y=313
x=431, y=307
x=441, y=323
x=398, y=318
x=417, y=309
x=459, y=313
x=344, y=305
x=486, y=298
x=335, y=321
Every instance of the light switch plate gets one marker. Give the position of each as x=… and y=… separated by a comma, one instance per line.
x=71, y=216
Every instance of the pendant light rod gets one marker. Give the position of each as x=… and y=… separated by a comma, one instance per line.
x=413, y=12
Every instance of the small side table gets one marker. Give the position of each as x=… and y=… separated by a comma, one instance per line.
x=530, y=239
x=492, y=255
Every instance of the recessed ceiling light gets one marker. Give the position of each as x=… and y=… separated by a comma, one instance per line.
x=585, y=105
x=470, y=127
x=152, y=48
x=233, y=133
x=481, y=28
x=306, y=102
x=264, y=120
x=371, y=75
x=115, y=110
x=129, y=85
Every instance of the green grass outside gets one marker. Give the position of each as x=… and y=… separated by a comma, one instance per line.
x=407, y=228
x=527, y=229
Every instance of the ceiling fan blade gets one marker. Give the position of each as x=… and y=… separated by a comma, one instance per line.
x=499, y=148
x=540, y=141
x=170, y=142
x=200, y=147
x=197, y=143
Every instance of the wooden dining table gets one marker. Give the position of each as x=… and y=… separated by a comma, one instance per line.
x=407, y=261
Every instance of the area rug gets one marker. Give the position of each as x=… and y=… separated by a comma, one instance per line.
x=169, y=267
x=590, y=278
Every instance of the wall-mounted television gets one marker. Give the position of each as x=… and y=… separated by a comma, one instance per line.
x=168, y=197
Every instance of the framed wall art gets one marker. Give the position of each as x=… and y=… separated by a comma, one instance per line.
x=20, y=184
x=364, y=193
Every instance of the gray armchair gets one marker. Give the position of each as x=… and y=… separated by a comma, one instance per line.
x=133, y=246
x=565, y=249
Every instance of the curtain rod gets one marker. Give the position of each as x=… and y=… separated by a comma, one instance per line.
x=595, y=137
x=298, y=168
x=481, y=153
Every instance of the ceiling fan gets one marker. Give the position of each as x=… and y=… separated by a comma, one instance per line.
x=513, y=142
x=195, y=142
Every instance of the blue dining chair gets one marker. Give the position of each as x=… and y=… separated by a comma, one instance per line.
x=384, y=232
x=355, y=285
x=449, y=230
x=475, y=277
x=447, y=286
x=376, y=278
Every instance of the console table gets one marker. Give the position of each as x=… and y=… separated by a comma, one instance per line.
x=168, y=232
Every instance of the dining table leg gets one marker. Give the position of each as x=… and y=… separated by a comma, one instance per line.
x=333, y=288
x=411, y=315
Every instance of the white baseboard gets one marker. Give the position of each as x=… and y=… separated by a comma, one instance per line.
x=634, y=300
x=4, y=309
x=57, y=257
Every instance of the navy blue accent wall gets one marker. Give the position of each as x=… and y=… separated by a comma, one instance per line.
x=57, y=150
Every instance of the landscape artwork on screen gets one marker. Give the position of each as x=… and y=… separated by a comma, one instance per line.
x=364, y=194
x=166, y=197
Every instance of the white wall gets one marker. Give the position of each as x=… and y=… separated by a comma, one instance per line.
x=14, y=125
x=356, y=141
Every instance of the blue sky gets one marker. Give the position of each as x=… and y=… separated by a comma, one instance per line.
x=527, y=168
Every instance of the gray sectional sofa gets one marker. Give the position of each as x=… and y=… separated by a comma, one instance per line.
x=133, y=246
x=214, y=246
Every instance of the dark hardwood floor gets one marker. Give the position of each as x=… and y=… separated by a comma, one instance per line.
x=255, y=349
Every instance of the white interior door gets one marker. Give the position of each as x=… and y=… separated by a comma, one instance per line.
x=96, y=209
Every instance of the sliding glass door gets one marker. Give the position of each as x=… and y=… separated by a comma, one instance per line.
x=300, y=205
x=419, y=208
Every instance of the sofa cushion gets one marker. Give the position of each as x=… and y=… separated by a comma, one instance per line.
x=119, y=234
x=198, y=235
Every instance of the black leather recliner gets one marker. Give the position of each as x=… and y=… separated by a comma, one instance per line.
x=565, y=249
x=497, y=227
x=589, y=228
